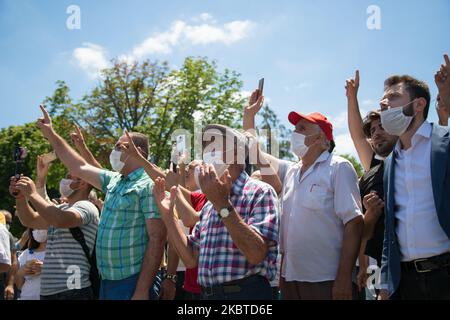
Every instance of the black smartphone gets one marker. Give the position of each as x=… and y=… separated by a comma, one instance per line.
x=19, y=155
x=261, y=86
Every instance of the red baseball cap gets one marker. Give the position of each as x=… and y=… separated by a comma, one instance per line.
x=317, y=118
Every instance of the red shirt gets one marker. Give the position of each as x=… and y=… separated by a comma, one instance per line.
x=190, y=277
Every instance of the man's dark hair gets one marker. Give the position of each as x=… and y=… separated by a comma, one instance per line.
x=31, y=243
x=371, y=116
x=332, y=146
x=415, y=88
x=140, y=140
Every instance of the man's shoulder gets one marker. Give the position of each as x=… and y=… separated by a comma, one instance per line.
x=339, y=161
x=87, y=206
x=258, y=186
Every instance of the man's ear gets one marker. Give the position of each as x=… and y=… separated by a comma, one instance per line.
x=420, y=104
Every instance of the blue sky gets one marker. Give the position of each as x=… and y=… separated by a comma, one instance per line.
x=304, y=49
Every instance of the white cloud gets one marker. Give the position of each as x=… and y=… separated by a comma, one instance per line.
x=344, y=144
x=340, y=121
x=205, y=30
x=369, y=103
x=181, y=32
x=91, y=58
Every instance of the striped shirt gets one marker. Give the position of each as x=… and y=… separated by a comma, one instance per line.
x=220, y=260
x=122, y=235
x=65, y=265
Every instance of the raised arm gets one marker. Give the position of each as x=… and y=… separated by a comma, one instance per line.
x=52, y=215
x=177, y=238
x=186, y=213
x=130, y=149
x=41, y=177
x=69, y=157
x=27, y=216
x=267, y=163
x=355, y=123
x=80, y=144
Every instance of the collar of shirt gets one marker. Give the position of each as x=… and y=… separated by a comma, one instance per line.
x=322, y=158
x=135, y=175
x=238, y=185
x=423, y=131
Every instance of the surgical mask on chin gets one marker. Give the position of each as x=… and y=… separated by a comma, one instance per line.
x=114, y=159
x=40, y=235
x=394, y=121
x=215, y=158
x=298, y=146
x=64, y=188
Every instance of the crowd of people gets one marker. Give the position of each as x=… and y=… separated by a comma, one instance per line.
x=240, y=223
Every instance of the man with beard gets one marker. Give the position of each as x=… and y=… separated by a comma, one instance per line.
x=373, y=144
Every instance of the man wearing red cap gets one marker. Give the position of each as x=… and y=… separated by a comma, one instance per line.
x=321, y=221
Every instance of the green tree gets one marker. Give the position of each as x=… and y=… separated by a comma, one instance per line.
x=358, y=167
x=150, y=98
x=271, y=124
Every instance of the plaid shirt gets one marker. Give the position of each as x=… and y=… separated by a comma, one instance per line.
x=220, y=260
x=122, y=235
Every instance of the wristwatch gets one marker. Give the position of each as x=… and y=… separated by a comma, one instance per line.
x=225, y=212
x=172, y=277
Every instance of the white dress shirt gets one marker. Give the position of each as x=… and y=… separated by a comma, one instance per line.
x=315, y=209
x=418, y=230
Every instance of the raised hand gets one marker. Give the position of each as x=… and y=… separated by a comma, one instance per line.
x=77, y=138
x=42, y=167
x=216, y=190
x=373, y=203
x=254, y=103
x=26, y=186
x=352, y=86
x=442, y=79
x=13, y=190
x=442, y=76
x=165, y=203
x=130, y=149
x=45, y=123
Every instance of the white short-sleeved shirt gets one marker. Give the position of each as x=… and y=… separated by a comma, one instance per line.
x=31, y=289
x=5, y=250
x=315, y=209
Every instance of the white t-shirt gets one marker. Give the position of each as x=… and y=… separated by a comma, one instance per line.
x=31, y=288
x=5, y=250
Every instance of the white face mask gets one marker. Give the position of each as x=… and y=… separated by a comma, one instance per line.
x=40, y=235
x=64, y=188
x=394, y=121
x=298, y=146
x=114, y=158
x=215, y=158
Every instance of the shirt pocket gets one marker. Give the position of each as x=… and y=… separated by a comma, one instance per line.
x=315, y=198
x=122, y=199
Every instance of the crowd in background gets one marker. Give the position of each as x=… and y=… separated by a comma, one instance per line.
x=240, y=223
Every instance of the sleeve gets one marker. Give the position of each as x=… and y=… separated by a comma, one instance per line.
x=23, y=258
x=283, y=168
x=264, y=217
x=347, y=198
x=87, y=210
x=147, y=203
x=105, y=178
x=5, y=250
x=198, y=200
x=194, y=237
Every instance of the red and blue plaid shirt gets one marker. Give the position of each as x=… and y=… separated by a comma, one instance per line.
x=220, y=260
